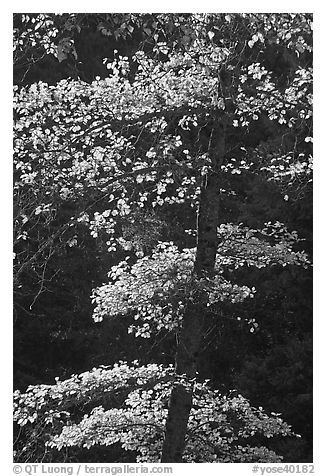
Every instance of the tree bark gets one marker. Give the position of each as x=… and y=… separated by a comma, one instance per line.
x=192, y=327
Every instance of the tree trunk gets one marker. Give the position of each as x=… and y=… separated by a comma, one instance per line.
x=192, y=327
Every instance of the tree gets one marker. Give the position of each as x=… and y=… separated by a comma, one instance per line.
x=221, y=428
x=172, y=126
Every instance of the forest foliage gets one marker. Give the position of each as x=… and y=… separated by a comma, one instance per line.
x=118, y=120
